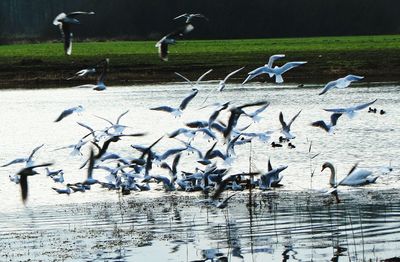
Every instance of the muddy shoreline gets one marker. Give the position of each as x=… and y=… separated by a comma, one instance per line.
x=131, y=70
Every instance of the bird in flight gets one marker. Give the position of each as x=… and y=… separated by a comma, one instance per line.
x=64, y=22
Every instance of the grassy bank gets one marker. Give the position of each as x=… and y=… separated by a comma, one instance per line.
x=376, y=57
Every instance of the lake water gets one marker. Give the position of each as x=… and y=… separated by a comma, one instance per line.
x=101, y=224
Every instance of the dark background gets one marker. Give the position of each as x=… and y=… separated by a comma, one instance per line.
x=150, y=19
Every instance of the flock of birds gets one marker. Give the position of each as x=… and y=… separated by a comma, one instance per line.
x=136, y=173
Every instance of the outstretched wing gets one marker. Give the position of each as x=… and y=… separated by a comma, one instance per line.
x=362, y=106
x=187, y=99
x=328, y=86
x=290, y=65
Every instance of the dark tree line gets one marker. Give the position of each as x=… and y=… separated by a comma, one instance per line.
x=150, y=19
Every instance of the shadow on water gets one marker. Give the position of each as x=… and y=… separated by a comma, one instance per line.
x=276, y=227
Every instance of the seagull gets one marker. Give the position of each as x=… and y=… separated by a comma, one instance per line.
x=117, y=127
x=277, y=71
x=328, y=127
x=350, y=111
x=28, y=160
x=177, y=112
x=64, y=21
x=170, y=39
x=69, y=111
x=189, y=17
x=23, y=174
x=83, y=73
x=194, y=85
x=286, y=127
x=272, y=177
x=341, y=83
x=222, y=83
x=99, y=86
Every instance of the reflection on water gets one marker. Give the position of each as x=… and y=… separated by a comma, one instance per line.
x=277, y=227
x=101, y=224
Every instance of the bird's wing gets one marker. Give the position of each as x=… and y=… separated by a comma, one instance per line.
x=283, y=123
x=269, y=165
x=34, y=151
x=328, y=86
x=74, y=14
x=362, y=106
x=294, y=118
x=352, y=78
x=321, y=124
x=290, y=65
x=103, y=72
x=108, y=121
x=336, y=110
x=66, y=30
x=187, y=99
x=183, y=77
x=86, y=126
x=232, y=73
x=91, y=164
x=273, y=58
x=163, y=108
x=15, y=161
x=180, y=16
x=162, y=50
x=121, y=115
x=334, y=118
x=59, y=17
x=23, y=182
x=202, y=76
x=64, y=114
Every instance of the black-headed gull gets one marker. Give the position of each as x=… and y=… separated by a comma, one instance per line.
x=340, y=83
x=350, y=111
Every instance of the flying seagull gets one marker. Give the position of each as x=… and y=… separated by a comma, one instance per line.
x=341, y=83
x=276, y=71
x=99, y=86
x=189, y=17
x=170, y=39
x=328, y=127
x=286, y=127
x=69, y=111
x=64, y=21
x=350, y=111
x=28, y=160
x=178, y=111
x=23, y=174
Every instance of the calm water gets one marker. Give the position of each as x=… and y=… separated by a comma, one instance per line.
x=184, y=232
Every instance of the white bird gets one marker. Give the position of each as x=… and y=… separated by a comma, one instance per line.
x=350, y=111
x=328, y=127
x=286, y=127
x=189, y=17
x=64, y=21
x=355, y=177
x=276, y=71
x=176, y=112
x=69, y=111
x=194, y=85
x=341, y=83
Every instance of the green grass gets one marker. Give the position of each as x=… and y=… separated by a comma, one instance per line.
x=201, y=47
